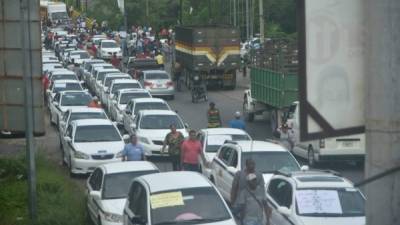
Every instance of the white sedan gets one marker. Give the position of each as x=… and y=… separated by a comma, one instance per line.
x=62, y=85
x=120, y=100
x=151, y=127
x=212, y=139
x=107, y=82
x=88, y=143
x=175, y=198
x=107, y=189
x=117, y=85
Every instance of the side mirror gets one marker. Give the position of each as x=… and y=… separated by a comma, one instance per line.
x=81, y=82
x=95, y=194
x=114, y=101
x=304, y=168
x=284, y=210
x=186, y=125
x=127, y=111
x=231, y=169
x=55, y=103
x=133, y=126
x=138, y=220
x=48, y=91
x=62, y=123
x=67, y=139
x=125, y=137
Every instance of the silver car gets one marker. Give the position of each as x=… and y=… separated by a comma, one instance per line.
x=158, y=83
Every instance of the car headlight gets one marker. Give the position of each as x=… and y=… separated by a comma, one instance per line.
x=80, y=155
x=144, y=140
x=112, y=217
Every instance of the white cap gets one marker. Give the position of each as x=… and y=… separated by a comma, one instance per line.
x=237, y=114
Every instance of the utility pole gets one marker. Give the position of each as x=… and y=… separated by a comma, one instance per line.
x=382, y=110
x=261, y=13
x=234, y=13
x=26, y=47
x=147, y=12
x=247, y=21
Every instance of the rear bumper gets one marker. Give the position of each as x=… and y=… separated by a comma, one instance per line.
x=349, y=157
x=83, y=166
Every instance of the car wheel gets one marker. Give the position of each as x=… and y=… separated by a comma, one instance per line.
x=172, y=97
x=71, y=174
x=248, y=116
x=310, y=157
x=212, y=180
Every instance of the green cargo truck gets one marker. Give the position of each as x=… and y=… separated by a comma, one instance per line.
x=212, y=52
x=273, y=81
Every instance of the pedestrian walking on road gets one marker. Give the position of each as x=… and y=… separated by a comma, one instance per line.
x=115, y=61
x=286, y=136
x=213, y=116
x=174, y=141
x=190, y=152
x=237, y=122
x=133, y=151
x=252, y=201
x=239, y=181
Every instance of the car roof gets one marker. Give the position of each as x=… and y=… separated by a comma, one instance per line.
x=157, y=112
x=154, y=71
x=101, y=64
x=65, y=81
x=87, y=110
x=66, y=72
x=117, y=74
x=174, y=180
x=117, y=81
x=107, y=69
x=132, y=90
x=88, y=122
x=130, y=166
x=222, y=131
x=108, y=40
x=259, y=146
x=79, y=51
x=319, y=179
x=140, y=100
x=74, y=92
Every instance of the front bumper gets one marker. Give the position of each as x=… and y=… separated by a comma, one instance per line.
x=84, y=166
x=151, y=149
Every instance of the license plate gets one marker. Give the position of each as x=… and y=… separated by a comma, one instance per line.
x=348, y=144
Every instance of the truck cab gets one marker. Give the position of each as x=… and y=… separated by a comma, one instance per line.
x=344, y=148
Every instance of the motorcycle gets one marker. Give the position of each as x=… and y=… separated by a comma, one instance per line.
x=198, y=90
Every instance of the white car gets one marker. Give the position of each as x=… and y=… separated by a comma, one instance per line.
x=117, y=85
x=65, y=100
x=314, y=198
x=158, y=82
x=107, y=48
x=231, y=157
x=121, y=98
x=99, y=76
x=77, y=57
x=88, y=143
x=94, y=68
x=107, y=82
x=134, y=106
x=51, y=66
x=99, y=70
x=175, y=198
x=212, y=139
x=78, y=114
x=62, y=85
x=61, y=75
x=107, y=189
x=151, y=127
x=86, y=67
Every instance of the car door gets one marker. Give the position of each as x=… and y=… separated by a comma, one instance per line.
x=67, y=146
x=94, y=184
x=54, y=107
x=63, y=123
x=136, y=204
x=229, y=173
x=200, y=137
x=280, y=193
x=127, y=115
x=220, y=167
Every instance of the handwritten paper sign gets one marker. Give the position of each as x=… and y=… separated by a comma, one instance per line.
x=218, y=139
x=318, y=201
x=166, y=200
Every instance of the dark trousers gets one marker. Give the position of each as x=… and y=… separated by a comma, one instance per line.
x=176, y=162
x=191, y=167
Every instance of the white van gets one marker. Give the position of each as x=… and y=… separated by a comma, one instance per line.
x=344, y=148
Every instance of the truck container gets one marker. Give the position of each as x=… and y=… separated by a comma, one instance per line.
x=212, y=52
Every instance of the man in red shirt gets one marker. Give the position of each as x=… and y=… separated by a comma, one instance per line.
x=190, y=151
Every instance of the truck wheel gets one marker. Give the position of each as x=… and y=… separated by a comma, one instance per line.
x=248, y=116
x=310, y=157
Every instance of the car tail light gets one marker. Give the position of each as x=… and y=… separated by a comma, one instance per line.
x=170, y=84
x=147, y=83
x=322, y=143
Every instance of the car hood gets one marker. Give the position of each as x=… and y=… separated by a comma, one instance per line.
x=111, y=49
x=114, y=205
x=95, y=147
x=65, y=108
x=158, y=134
x=333, y=220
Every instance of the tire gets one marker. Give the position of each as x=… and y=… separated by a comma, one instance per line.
x=248, y=116
x=212, y=179
x=172, y=97
x=71, y=174
x=310, y=157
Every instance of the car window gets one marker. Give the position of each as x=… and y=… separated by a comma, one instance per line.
x=225, y=154
x=234, y=159
x=125, y=97
x=154, y=122
x=271, y=161
x=69, y=131
x=281, y=191
x=150, y=105
x=65, y=116
x=96, y=179
x=56, y=97
x=97, y=133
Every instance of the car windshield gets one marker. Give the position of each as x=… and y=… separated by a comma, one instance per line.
x=67, y=87
x=108, y=45
x=117, y=185
x=97, y=133
x=81, y=55
x=59, y=15
x=125, y=97
x=188, y=206
x=271, y=161
x=156, y=76
x=63, y=77
x=75, y=99
x=150, y=105
x=87, y=115
x=345, y=202
x=215, y=141
x=102, y=74
x=120, y=86
x=110, y=79
x=160, y=122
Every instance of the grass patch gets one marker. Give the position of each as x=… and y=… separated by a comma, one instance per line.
x=60, y=200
